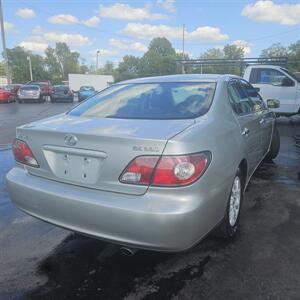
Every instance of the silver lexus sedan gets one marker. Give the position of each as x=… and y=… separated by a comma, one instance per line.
x=154, y=163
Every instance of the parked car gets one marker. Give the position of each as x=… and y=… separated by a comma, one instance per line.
x=276, y=82
x=85, y=92
x=5, y=95
x=45, y=86
x=13, y=88
x=30, y=92
x=61, y=93
x=154, y=163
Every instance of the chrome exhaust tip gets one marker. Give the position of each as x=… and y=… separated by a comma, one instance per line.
x=128, y=251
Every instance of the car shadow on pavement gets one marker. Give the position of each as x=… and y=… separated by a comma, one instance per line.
x=82, y=267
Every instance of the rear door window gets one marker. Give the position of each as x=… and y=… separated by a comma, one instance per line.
x=252, y=93
x=238, y=98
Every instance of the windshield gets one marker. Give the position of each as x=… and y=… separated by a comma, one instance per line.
x=149, y=101
x=291, y=74
x=87, y=88
x=30, y=88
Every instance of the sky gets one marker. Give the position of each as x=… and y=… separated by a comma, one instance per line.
x=118, y=28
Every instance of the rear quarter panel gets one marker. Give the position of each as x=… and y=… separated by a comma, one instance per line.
x=218, y=132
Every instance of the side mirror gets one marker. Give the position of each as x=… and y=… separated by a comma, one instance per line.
x=256, y=89
x=287, y=82
x=273, y=103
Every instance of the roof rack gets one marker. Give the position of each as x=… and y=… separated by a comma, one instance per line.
x=280, y=60
x=242, y=63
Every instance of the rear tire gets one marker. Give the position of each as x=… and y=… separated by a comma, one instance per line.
x=229, y=226
x=275, y=145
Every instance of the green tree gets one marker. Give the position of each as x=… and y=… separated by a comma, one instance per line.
x=61, y=61
x=213, y=53
x=128, y=68
x=2, y=69
x=159, y=59
x=294, y=56
x=107, y=69
x=235, y=53
x=231, y=52
x=19, y=65
x=276, y=50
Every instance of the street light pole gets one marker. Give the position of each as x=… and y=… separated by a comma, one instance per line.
x=183, y=53
x=97, y=59
x=30, y=67
x=4, y=45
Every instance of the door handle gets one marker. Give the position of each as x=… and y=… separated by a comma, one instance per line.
x=245, y=131
x=262, y=121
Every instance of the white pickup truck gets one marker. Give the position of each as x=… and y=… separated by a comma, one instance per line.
x=275, y=82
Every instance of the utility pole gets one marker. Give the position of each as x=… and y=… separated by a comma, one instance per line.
x=183, y=54
x=97, y=59
x=30, y=67
x=4, y=45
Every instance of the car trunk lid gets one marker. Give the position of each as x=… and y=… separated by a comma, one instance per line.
x=93, y=152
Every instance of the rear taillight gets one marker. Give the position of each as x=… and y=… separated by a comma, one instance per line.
x=23, y=153
x=166, y=171
x=140, y=170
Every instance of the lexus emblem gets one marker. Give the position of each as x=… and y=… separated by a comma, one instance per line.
x=71, y=140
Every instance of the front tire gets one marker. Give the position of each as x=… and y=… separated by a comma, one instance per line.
x=229, y=226
x=275, y=145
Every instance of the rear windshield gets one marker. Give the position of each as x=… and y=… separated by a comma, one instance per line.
x=87, y=88
x=60, y=88
x=41, y=83
x=149, y=101
x=30, y=88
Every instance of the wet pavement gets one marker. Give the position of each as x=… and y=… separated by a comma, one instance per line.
x=15, y=114
x=40, y=261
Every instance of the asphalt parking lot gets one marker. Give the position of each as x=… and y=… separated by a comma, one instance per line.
x=41, y=261
x=14, y=114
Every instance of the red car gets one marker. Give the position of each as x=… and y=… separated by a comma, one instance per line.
x=5, y=95
x=13, y=88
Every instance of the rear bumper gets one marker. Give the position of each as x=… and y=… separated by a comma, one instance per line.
x=150, y=221
x=29, y=98
x=63, y=97
x=4, y=99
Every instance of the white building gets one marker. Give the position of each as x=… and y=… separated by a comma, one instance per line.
x=99, y=82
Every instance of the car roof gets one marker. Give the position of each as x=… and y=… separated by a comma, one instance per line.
x=30, y=86
x=182, y=78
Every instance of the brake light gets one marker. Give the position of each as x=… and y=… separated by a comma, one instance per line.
x=166, y=171
x=23, y=153
x=140, y=170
